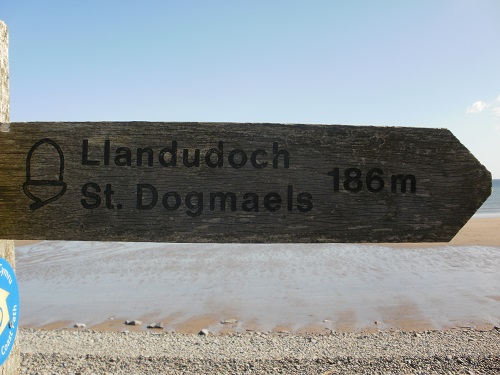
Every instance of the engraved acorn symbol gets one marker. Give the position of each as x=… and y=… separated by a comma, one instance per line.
x=44, y=178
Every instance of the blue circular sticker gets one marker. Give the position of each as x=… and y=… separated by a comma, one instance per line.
x=9, y=309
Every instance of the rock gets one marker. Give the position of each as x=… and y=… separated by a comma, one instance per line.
x=204, y=332
x=156, y=325
x=449, y=357
x=326, y=320
x=229, y=321
x=133, y=322
x=79, y=325
x=416, y=334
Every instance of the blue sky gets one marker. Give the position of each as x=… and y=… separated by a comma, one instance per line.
x=426, y=63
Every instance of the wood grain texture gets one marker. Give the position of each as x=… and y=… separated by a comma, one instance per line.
x=4, y=73
x=6, y=247
x=321, y=183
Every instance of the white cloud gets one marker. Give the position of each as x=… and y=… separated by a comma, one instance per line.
x=477, y=107
x=480, y=106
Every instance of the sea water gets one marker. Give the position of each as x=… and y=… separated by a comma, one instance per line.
x=329, y=286
x=491, y=208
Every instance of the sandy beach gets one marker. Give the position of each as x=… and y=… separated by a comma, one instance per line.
x=234, y=288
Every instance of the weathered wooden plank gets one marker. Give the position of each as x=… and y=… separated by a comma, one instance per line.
x=167, y=182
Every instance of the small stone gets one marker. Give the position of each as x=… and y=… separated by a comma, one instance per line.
x=229, y=321
x=326, y=320
x=416, y=334
x=204, y=332
x=449, y=357
x=376, y=322
x=156, y=325
x=79, y=325
x=133, y=322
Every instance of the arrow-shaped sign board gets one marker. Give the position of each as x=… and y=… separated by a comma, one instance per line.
x=228, y=182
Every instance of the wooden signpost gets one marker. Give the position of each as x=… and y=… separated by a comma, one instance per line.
x=215, y=182
x=231, y=182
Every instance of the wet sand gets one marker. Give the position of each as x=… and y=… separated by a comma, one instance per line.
x=291, y=287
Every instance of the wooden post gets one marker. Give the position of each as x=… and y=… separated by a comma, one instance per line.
x=13, y=364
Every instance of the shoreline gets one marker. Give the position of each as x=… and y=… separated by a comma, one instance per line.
x=319, y=309
x=297, y=288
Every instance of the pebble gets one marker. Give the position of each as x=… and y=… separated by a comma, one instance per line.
x=229, y=321
x=156, y=325
x=204, y=332
x=79, y=325
x=133, y=322
x=93, y=352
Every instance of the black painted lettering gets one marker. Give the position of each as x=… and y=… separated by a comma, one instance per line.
x=235, y=161
x=172, y=152
x=220, y=156
x=152, y=195
x=196, y=206
x=222, y=200
x=108, y=192
x=140, y=154
x=375, y=182
x=196, y=160
x=289, y=198
x=85, y=154
x=250, y=203
x=305, y=202
x=352, y=180
x=123, y=157
x=277, y=153
x=402, y=180
x=336, y=179
x=92, y=195
x=253, y=159
x=107, y=151
x=166, y=200
x=272, y=201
